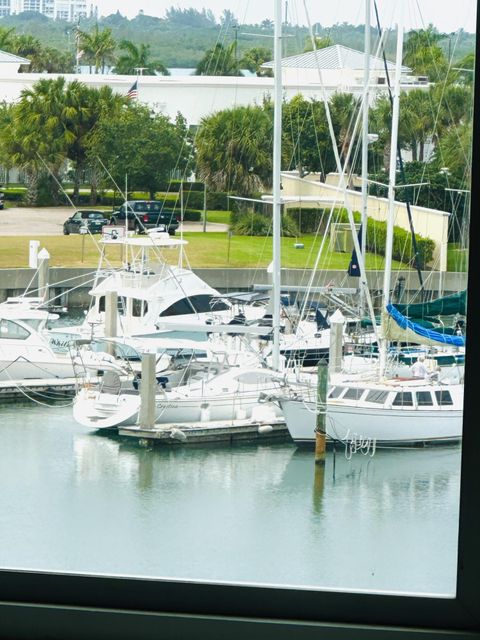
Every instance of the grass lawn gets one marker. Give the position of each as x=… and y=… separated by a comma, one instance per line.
x=219, y=216
x=204, y=250
x=457, y=258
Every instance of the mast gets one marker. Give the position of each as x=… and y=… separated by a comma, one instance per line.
x=391, y=192
x=276, y=191
x=365, y=108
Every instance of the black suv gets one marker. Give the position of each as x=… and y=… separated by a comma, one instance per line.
x=88, y=219
x=145, y=214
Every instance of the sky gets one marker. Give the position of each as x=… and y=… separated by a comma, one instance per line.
x=446, y=16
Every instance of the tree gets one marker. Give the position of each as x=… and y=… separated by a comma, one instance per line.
x=305, y=138
x=343, y=109
x=145, y=146
x=138, y=57
x=234, y=150
x=98, y=48
x=219, y=61
x=6, y=38
x=39, y=136
x=417, y=121
x=254, y=58
x=424, y=55
x=320, y=43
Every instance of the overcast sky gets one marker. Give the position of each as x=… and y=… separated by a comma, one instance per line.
x=447, y=16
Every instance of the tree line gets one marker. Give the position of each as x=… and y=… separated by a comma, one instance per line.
x=184, y=36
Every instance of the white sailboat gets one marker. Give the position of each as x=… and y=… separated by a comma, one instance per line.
x=388, y=411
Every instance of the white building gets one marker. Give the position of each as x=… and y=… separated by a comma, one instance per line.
x=69, y=10
x=10, y=64
x=343, y=68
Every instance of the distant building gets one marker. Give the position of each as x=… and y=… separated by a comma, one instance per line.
x=10, y=63
x=343, y=69
x=70, y=10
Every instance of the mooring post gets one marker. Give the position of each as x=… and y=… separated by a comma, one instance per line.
x=147, y=391
x=321, y=426
x=43, y=273
x=111, y=312
x=337, y=321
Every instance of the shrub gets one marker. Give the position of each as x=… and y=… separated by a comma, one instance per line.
x=251, y=223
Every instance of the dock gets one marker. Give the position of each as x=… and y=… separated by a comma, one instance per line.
x=41, y=389
x=218, y=432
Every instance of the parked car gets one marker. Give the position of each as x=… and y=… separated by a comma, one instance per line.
x=145, y=214
x=90, y=219
x=2, y=200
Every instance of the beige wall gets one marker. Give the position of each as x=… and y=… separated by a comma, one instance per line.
x=429, y=223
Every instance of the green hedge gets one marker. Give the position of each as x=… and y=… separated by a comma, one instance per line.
x=309, y=220
x=192, y=199
x=251, y=223
x=14, y=194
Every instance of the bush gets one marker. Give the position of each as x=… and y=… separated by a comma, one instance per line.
x=14, y=194
x=251, y=223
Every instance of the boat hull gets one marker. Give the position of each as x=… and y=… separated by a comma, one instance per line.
x=384, y=426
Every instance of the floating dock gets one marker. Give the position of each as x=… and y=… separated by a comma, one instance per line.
x=41, y=389
x=212, y=432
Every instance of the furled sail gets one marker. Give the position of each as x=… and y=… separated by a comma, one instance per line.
x=396, y=327
x=451, y=305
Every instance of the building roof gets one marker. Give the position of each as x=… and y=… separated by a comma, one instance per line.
x=334, y=57
x=10, y=57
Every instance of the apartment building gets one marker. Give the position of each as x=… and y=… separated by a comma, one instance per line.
x=70, y=10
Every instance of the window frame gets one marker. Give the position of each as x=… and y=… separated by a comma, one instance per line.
x=37, y=604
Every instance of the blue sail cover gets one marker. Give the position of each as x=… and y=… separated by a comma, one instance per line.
x=429, y=334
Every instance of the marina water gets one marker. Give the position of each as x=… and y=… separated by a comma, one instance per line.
x=74, y=500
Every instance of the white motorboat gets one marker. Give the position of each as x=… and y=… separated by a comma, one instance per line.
x=25, y=353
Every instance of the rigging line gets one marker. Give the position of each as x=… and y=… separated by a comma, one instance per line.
x=400, y=161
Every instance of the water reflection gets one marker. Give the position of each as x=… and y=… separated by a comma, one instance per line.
x=73, y=500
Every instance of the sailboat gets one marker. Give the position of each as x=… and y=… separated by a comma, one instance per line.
x=387, y=410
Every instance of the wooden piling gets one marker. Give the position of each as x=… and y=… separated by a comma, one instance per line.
x=148, y=386
x=321, y=426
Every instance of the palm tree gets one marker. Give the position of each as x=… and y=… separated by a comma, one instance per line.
x=98, y=47
x=320, y=43
x=39, y=138
x=343, y=108
x=219, y=61
x=138, y=57
x=417, y=120
x=254, y=58
x=6, y=38
x=234, y=149
x=424, y=55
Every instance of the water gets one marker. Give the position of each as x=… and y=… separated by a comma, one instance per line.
x=73, y=500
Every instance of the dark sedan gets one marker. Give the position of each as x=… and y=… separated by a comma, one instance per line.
x=85, y=221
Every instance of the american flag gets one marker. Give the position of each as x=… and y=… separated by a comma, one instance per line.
x=132, y=93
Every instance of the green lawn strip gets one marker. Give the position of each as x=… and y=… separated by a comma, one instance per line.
x=204, y=250
x=219, y=216
x=457, y=258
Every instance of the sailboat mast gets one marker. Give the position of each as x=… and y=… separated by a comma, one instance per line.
x=391, y=192
x=365, y=108
x=276, y=187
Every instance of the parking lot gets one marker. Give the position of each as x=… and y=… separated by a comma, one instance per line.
x=48, y=221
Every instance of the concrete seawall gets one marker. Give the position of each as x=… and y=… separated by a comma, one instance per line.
x=70, y=287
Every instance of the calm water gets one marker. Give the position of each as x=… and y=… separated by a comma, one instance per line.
x=72, y=500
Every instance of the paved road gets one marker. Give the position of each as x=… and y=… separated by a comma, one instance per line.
x=48, y=221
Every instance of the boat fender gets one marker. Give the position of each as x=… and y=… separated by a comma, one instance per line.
x=265, y=428
x=177, y=434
